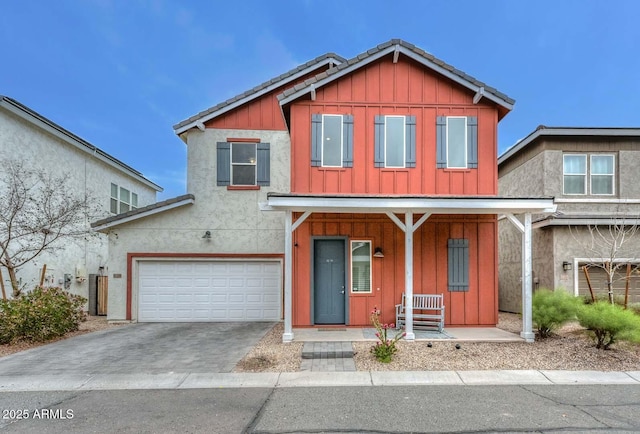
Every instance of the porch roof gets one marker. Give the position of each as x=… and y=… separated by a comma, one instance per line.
x=401, y=204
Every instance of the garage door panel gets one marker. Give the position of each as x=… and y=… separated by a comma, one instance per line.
x=209, y=291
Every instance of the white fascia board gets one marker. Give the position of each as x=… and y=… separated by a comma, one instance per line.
x=418, y=58
x=141, y=215
x=586, y=222
x=403, y=205
x=222, y=110
x=86, y=148
x=599, y=200
x=575, y=132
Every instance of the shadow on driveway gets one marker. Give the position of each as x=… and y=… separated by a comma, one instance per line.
x=142, y=348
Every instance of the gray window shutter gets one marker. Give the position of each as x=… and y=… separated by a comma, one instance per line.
x=458, y=265
x=472, y=142
x=316, y=140
x=441, y=142
x=347, y=136
x=223, y=163
x=264, y=164
x=379, y=142
x=410, y=137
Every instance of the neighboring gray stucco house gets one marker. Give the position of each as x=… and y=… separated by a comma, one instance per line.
x=593, y=175
x=41, y=144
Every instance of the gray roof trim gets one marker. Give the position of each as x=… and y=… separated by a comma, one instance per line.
x=567, y=131
x=258, y=91
x=140, y=213
x=51, y=127
x=409, y=50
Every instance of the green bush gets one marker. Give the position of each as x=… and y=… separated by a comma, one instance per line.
x=609, y=323
x=551, y=309
x=40, y=315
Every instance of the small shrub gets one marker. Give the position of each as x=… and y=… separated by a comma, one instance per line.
x=40, y=315
x=385, y=348
x=551, y=309
x=634, y=307
x=609, y=323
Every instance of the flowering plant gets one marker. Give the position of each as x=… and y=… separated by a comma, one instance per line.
x=385, y=348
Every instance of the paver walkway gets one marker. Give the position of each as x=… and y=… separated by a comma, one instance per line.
x=327, y=356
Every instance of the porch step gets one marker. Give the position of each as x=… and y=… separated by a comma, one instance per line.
x=327, y=357
x=327, y=350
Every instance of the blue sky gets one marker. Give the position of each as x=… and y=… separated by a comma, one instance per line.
x=121, y=73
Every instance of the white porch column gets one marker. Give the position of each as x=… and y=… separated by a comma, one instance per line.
x=287, y=336
x=527, y=289
x=408, y=266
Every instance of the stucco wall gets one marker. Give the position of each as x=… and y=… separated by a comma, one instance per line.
x=38, y=149
x=233, y=217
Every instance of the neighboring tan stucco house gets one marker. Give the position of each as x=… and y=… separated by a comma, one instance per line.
x=34, y=140
x=294, y=185
x=593, y=175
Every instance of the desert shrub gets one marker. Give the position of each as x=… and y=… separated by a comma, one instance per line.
x=634, y=307
x=609, y=323
x=40, y=315
x=551, y=309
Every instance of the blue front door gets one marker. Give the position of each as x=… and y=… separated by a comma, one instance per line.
x=329, y=281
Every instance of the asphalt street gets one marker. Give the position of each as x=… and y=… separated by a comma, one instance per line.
x=421, y=409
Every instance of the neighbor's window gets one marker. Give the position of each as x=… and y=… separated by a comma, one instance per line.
x=602, y=175
x=243, y=164
x=332, y=140
x=394, y=141
x=575, y=174
x=360, y=266
x=122, y=200
x=456, y=142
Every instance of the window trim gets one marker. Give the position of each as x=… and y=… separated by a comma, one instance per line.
x=466, y=139
x=351, y=273
x=404, y=142
x=341, y=141
x=612, y=175
x=254, y=164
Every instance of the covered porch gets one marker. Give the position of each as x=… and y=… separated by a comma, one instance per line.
x=408, y=213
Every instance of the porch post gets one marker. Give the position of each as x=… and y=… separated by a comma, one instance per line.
x=287, y=336
x=527, y=289
x=408, y=266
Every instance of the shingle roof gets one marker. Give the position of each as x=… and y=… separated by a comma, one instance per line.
x=407, y=48
x=279, y=80
x=157, y=207
x=35, y=118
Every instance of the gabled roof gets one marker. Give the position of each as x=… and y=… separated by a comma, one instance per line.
x=40, y=121
x=198, y=120
x=401, y=47
x=154, y=208
x=544, y=131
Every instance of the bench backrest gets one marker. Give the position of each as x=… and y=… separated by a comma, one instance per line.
x=425, y=301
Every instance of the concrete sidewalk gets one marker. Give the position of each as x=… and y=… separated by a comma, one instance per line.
x=171, y=380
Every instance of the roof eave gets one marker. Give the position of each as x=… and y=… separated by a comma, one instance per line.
x=104, y=227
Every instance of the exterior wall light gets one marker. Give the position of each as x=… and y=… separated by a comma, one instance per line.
x=566, y=266
x=207, y=235
x=378, y=253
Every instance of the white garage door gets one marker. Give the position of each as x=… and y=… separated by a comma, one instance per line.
x=187, y=291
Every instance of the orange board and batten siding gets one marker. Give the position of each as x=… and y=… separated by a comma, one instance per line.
x=476, y=307
x=385, y=88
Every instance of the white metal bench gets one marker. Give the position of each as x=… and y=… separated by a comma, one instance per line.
x=428, y=312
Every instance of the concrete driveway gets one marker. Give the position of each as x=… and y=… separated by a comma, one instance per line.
x=151, y=348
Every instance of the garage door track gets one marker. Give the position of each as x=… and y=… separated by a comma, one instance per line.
x=151, y=348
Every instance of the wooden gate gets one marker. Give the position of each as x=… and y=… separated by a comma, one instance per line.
x=103, y=294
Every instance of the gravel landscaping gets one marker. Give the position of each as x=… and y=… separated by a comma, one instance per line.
x=569, y=349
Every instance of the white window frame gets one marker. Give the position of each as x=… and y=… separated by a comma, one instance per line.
x=131, y=204
x=613, y=174
x=466, y=138
x=586, y=170
x=351, y=248
x=404, y=142
x=253, y=163
x=341, y=140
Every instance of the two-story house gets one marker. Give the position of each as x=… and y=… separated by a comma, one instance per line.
x=592, y=173
x=40, y=144
x=326, y=192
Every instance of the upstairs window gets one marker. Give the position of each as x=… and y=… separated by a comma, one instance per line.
x=243, y=164
x=575, y=174
x=122, y=200
x=395, y=141
x=331, y=140
x=457, y=142
x=602, y=175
